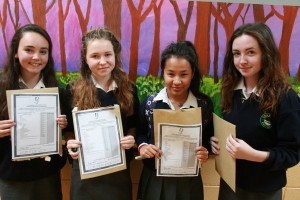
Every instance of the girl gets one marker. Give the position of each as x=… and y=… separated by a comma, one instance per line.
x=102, y=83
x=29, y=65
x=258, y=98
x=179, y=66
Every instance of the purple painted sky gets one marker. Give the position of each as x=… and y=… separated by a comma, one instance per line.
x=168, y=32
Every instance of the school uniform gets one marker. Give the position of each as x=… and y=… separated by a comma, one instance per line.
x=113, y=186
x=170, y=188
x=37, y=178
x=264, y=131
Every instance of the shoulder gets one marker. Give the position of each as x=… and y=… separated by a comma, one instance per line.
x=289, y=101
x=204, y=101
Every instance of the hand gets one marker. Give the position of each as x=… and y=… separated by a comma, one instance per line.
x=214, y=142
x=62, y=121
x=5, y=126
x=239, y=149
x=149, y=151
x=73, y=148
x=201, y=154
x=127, y=142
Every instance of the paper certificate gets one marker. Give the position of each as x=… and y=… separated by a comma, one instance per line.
x=178, y=143
x=36, y=133
x=99, y=131
x=225, y=164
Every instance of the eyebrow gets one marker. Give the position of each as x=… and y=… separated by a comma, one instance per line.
x=29, y=46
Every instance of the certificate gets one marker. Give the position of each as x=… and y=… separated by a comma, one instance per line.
x=99, y=131
x=177, y=133
x=225, y=164
x=36, y=133
x=178, y=143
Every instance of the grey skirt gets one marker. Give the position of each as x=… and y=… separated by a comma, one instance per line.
x=113, y=186
x=152, y=187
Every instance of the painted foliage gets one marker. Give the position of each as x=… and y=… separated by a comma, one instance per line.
x=145, y=27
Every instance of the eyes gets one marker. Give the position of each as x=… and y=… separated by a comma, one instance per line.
x=248, y=53
x=172, y=74
x=98, y=56
x=32, y=50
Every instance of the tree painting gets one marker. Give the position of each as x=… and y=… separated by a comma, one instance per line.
x=146, y=27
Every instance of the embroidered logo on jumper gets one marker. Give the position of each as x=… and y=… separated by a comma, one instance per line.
x=265, y=120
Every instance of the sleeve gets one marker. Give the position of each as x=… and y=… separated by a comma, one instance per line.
x=142, y=128
x=208, y=128
x=132, y=120
x=67, y=107
x=287, y=152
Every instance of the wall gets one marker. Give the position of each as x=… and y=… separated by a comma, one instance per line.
x=209, y=176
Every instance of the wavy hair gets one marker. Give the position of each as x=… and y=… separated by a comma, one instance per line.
x=272, y=82
x=84, y=91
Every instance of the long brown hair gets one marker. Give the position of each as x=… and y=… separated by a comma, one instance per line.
x=84, y=91
x=272, y=79
x=12, y=69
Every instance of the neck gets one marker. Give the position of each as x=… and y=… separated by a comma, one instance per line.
x=104, y=82
x=178, y=100
x=31, y=81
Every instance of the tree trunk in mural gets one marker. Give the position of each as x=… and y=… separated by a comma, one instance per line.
x=112, y=16
x=155, y=56
x=14, y=20
x=288, y=18
x=229, y=20
x=202, y=36
x=39, y=11
x=259, y=13
x=216, y=48
x=3, y=22
x=137, y=18
x=83, y=20
x=182, y=26
x=61, y=26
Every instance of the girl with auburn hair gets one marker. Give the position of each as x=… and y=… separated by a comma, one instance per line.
x=102, y=82
x=29, y=66
x=258, y=98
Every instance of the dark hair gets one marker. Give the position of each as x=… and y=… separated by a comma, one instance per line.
x=12, y=69
x=272, y=80
x=84, y=91
x=186, y=50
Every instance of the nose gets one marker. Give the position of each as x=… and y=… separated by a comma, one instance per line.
x=36, y=56
x=177, y=80
x=102, y=60
x=243, y=59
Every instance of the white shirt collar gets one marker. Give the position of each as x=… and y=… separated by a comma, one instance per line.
x=191, y=101
x=39, y=84
x=241, y=86
x=111, y=87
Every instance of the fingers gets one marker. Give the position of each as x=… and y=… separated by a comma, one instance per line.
x=201, y=154
x=73, y=148
x=127, y=142
x=214, y=142
x=62, y=121
x=5, y=126
x=150, y=151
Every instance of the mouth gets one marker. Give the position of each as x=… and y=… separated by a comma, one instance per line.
x=35, y=64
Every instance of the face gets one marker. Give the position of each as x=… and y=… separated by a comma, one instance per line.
x=100, y=58
x=177, y=76
x=247, y=57
x=33, y=52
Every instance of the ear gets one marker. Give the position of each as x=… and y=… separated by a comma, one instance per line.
x=16, y=55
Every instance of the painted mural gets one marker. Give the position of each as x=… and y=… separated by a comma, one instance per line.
x=145, y=27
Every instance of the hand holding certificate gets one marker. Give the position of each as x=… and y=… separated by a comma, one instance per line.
x=177, y=134
x=99, y=131
x=36, y=133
